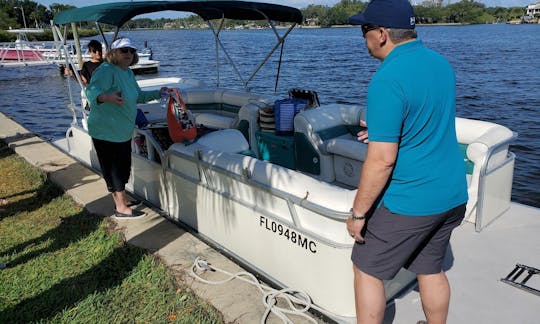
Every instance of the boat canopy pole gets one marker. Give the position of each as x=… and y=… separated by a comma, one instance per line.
x=218, y=41
x=56, y=40
x=280, y=41
x=116, y=31
x=67, y=55
x=102, y=34
x=77, y=43
x=220, y=28
x=69, y=64
x=279, y=66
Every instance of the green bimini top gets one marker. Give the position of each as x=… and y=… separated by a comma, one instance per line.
x=119, y=13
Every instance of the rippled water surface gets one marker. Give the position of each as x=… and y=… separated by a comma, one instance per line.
x=497, y=68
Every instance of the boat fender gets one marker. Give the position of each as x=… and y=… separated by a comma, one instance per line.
x=180, y=121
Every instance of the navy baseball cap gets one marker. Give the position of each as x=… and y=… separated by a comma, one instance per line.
x=386, y=13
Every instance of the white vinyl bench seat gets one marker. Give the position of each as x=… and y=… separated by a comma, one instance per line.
x=327, y=129
x=349, y=155
x=214, y=120
x=490, y=183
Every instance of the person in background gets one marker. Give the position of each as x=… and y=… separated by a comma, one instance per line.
x=88, y=67
x=96, y=58
x=413, y=188
x=113, y=94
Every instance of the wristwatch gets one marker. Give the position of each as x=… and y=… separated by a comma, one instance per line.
x=357, y=217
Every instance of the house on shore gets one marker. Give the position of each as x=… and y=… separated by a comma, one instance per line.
x=533, y=13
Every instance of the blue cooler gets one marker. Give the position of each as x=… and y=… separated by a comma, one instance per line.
x=285, y=110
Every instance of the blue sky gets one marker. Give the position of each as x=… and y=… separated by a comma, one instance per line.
x=297, y=3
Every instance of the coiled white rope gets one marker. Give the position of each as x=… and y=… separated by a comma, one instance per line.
x=293, y=298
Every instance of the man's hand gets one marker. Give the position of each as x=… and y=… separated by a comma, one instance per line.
x=354, y=227
x=362, y=135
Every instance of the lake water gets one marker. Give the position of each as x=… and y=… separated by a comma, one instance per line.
x=497, y=68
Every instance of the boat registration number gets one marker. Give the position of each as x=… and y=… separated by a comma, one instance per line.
x=289, y=234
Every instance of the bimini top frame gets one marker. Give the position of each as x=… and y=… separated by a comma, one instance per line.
x=117, y=14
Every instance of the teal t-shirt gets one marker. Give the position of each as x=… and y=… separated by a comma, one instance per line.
x=411, y=101
x=108, y=121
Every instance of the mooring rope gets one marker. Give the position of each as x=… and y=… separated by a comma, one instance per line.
x=293, y=298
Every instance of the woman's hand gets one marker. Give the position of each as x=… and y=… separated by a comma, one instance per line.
x=362, y=135
x=115, y=98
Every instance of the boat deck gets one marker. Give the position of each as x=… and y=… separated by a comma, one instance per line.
x=475, y=265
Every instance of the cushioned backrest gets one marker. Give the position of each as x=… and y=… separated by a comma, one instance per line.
x=326, y=119
x=249, y=114
x=479, y=137
x=237, y=98
x=321, y=124
x=202, y=95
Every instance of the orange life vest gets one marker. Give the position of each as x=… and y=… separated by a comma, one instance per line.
x=179, y=120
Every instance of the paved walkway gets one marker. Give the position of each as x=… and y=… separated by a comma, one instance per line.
x=239, y=302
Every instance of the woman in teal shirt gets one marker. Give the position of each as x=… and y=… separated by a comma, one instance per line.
x=113, y=94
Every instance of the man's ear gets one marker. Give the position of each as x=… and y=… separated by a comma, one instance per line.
x=384, y=37
x=383, y=34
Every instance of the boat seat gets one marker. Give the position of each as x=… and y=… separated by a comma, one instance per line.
x=490, y=168
x=349, y=155
x=213, y=120
x=249, y=120
x=217, y=99
x=325, y=136
x=221, y=108
x=226, y=140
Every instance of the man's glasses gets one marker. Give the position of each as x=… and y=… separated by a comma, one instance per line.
x=367, y=28
x=127, y=50
x=95, y=51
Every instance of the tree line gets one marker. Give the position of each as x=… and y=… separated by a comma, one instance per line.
x=427, y=12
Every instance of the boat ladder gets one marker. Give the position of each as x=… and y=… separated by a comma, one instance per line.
x=520, y=269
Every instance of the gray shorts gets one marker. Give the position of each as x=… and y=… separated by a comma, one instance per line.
x=393, y=241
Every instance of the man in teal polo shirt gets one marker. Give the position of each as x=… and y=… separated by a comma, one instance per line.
x=414, y=175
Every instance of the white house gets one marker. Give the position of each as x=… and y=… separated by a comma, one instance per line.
x=533, y=9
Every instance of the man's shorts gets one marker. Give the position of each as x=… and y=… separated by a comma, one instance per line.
x=393, y=241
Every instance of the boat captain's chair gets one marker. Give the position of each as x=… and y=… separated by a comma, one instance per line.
x=326, y=144
x=490, y=168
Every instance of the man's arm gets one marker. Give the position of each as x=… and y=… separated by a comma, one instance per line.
x=378, y=166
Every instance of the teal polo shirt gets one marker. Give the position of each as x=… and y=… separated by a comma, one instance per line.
x=108, y=121
x=411, y=101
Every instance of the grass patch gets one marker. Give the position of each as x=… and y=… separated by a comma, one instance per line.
x=64, y=265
